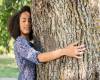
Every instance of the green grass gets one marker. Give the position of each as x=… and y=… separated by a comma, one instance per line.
x=8, y=67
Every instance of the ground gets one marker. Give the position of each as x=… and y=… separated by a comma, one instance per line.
x=8, y=68
x=8, y=79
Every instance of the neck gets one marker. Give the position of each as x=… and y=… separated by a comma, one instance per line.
x=26, y=36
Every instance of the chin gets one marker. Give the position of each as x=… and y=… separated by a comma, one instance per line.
x=26, y=33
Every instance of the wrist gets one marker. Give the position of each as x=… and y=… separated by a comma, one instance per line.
x=64, y=51
x=60, y=52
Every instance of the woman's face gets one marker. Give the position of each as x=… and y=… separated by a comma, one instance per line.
x=25, y=23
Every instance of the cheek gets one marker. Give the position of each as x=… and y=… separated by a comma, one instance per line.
x=21, y=27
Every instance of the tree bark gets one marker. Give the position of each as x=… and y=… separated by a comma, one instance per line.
x=57, y=23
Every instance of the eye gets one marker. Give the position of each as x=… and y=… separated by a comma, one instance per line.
x=23, y=21
x=29, y=20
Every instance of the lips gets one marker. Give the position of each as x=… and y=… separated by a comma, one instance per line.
x=27, y=28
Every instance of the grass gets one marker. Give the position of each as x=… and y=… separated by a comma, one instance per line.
x=8, y=67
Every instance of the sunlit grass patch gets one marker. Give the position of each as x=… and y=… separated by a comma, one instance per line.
x=8, y=67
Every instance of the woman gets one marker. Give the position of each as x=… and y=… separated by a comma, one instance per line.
x=26, y=56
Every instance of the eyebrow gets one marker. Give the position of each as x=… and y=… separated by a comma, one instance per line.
x=25, y=18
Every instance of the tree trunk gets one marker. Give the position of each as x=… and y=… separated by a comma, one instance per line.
x=57, y=23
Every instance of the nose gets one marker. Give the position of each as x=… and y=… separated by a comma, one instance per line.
x=27, y=23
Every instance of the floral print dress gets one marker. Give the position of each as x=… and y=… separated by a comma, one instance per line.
x=26, y=58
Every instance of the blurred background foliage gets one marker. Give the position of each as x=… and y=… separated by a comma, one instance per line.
x=7, y=8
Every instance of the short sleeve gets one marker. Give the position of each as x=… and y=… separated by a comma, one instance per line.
x=26, y=51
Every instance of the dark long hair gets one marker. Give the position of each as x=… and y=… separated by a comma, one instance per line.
x=14, y=26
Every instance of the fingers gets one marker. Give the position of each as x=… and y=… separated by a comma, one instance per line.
x=75, y=43
x=81, y=50
x=75, y=50
x=79, y=53
x=81, y=46
x=78, y=57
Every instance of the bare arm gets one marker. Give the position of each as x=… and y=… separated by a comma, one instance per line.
x=48, y=56
x=71, y=51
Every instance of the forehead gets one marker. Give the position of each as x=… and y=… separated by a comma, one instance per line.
x=25, y=15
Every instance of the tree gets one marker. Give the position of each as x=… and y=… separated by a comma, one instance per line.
x=57, y=23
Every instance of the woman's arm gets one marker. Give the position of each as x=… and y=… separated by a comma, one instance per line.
x=71, y=50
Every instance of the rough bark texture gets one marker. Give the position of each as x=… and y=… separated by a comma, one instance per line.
x=57, y=23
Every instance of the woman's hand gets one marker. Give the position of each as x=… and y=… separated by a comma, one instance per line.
x=73, y=50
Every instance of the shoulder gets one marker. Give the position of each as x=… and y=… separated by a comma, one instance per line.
x=20, y=41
